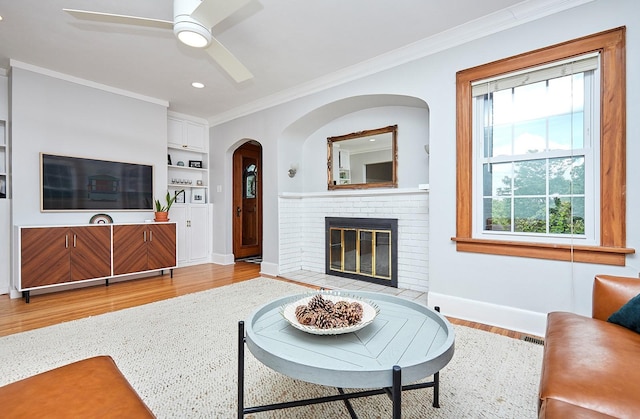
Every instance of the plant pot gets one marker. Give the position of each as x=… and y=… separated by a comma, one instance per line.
x=162, y=217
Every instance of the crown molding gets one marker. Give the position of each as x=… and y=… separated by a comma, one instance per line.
x=510, y=17
x=44, y=71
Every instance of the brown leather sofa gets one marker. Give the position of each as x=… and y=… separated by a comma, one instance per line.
x=91, y=388
x=590, y=367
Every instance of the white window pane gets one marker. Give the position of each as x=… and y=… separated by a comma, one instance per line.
x=497, y=179
x=530, y=101
x=566, y=131
x=566, y=94
x=502, y=104
x=530, y=215
x=500, y=141
x=530, y=177
x=566, y=176
x=530, y=137
x=497, y=214
x=566, y=215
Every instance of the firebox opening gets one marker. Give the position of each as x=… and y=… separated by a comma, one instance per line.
x=363, y=249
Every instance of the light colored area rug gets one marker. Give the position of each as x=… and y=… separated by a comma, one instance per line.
x=181, y=357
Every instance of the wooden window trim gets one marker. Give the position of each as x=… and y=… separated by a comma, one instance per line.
x=611, y=250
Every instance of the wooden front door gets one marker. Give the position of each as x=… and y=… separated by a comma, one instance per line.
x=247, y=201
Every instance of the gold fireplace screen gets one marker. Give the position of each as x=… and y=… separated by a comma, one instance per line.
x=360, y=251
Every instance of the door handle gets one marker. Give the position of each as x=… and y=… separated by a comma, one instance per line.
x=238, y=211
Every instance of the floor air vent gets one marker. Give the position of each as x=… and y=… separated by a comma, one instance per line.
x=531, y=339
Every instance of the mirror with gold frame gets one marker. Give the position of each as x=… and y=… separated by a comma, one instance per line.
x=364, y=159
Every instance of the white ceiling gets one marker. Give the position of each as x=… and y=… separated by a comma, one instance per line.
x=286, y=44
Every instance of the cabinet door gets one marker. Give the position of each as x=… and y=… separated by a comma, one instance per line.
x=196, y=136
x=162, y=246
x=175, y=133
x=90, y=252
x=199, y=232
x=179, y=215
x=130, y=248
x=44, y=256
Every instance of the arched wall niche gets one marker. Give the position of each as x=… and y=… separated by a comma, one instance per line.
x=303, y=143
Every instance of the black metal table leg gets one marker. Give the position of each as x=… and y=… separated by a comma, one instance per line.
x=240, y=369
x=396, y=392
x=436, y=389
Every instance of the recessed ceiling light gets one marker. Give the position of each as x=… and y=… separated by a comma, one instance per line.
x=197, y=85
x=372, y=139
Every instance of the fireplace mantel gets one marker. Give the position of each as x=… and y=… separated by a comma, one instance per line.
x=356, y=193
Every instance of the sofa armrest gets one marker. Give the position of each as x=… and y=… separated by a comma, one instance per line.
x=612, y=292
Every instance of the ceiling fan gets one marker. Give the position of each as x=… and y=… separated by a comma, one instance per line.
x=192, y=23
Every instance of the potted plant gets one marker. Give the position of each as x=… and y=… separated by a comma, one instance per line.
x=162, y=211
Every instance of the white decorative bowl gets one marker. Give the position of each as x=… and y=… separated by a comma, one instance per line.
x=369, y=312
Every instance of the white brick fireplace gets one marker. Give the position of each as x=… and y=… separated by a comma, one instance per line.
x=302, y=228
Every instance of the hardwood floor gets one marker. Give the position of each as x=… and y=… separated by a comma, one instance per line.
x=47, y=309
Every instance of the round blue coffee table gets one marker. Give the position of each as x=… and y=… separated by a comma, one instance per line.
x=405, y=343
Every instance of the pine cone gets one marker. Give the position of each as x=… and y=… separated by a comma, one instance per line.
x=354, y=313
x=305, y=316
x=340, y=309
x=317, y=303
x=324, y=321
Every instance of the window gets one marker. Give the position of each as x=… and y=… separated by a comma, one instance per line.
x=541, y=153
x=535, y=153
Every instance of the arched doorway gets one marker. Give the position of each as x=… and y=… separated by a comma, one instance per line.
x=247, y=201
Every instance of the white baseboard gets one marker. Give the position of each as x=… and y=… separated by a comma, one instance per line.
x=182, y=264
x=511, y=318
x=271, y=269
x=222, y=259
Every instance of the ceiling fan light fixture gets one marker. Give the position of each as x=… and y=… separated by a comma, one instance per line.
x=192, y=34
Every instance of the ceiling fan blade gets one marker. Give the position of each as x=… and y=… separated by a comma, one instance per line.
x=121, y=19
x=228, y=61
x=212, y=12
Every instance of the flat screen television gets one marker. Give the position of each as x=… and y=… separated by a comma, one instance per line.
x=78, y=184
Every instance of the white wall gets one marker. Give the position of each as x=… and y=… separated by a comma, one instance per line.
x=54, y=114
x=505, y=291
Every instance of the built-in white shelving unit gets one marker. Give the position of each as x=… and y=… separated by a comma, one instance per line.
x=188, y=155
x=188, y=158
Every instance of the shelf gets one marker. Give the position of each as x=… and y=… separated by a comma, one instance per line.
x=195, y=169
x=181, y=186
x=187, y=141
x=189, y=149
